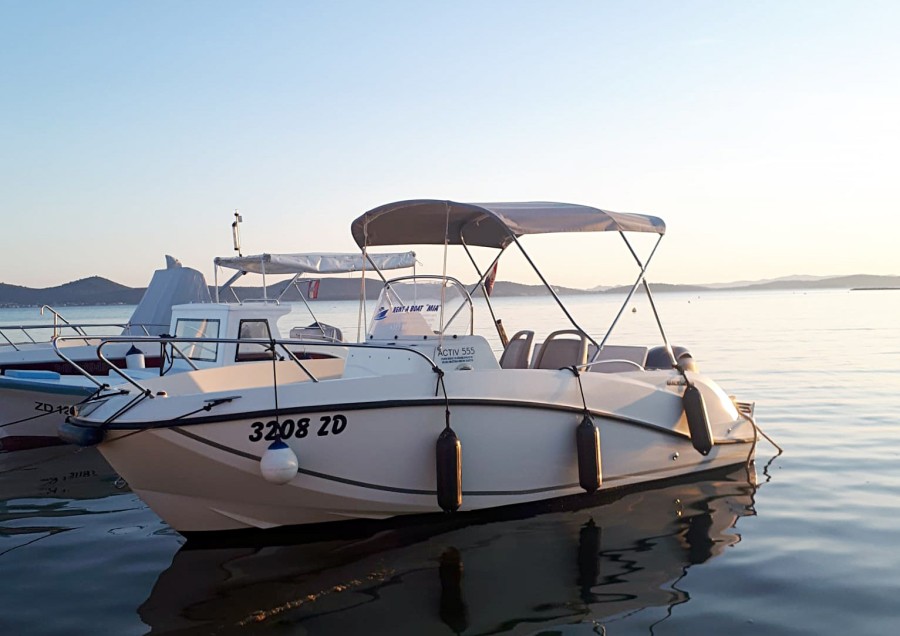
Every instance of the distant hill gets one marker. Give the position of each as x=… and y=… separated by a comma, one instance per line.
x=660, y=288
x=329, y=289
x=87, y=291
x=747, y=283
x=506, y=288
x=834, y=282
x=101, y=291
x=857, y=281
x=348, y=289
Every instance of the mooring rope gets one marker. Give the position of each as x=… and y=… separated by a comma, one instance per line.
x=574, y=369
x=757, y=431
x=274, y=378
x=440, y=385
x=28, y=419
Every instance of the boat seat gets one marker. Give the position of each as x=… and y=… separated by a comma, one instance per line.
x=617, y=358
x=518, y=351
x=253, y=356
x=317, y=331
x=563, y=348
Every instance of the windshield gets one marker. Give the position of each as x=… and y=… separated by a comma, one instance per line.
x=198, y=328
x=416, y=306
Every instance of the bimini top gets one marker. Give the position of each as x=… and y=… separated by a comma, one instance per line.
x=314, y=263
x=428, y=221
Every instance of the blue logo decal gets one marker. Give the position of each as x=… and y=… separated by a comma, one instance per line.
x=381, y=313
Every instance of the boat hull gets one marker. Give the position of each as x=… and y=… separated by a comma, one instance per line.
x=374, y=458
x=31, y=412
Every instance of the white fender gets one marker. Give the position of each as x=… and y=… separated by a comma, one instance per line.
x=279, y=464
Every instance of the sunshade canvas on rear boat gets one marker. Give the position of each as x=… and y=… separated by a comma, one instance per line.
x=315, y=263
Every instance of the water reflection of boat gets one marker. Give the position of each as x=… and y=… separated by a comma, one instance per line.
x=64, y=472
x=571, y=565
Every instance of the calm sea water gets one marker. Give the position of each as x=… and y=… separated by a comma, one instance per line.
x=808, y=546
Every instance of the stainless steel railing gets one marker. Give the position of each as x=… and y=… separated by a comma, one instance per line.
x=60, y=327
x=171, y=343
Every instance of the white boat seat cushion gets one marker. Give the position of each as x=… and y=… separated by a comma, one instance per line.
x=518, y=351
x=562, y=349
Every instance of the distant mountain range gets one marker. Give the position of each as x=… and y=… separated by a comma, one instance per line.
x=100, y=291
x=87, y=291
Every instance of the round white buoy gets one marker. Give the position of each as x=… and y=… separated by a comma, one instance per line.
x=279, y=464
x=134, y=359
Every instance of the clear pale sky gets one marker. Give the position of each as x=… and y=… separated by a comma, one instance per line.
x=766, y=134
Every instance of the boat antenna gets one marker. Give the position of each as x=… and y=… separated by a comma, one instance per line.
x=236, y=232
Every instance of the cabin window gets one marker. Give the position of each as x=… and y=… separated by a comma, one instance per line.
x=198, y=328
x=253, y=329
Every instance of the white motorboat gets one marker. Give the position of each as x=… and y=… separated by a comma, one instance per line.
x=423, y=416
x=30, y=347
x=38, y=387
x=36, y=401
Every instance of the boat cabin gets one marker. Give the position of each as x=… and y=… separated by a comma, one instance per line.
x=248, y=320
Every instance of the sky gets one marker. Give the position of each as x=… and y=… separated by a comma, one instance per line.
x=766, y=134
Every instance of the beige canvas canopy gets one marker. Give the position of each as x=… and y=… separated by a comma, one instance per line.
x=309, y=263
x=429, y=221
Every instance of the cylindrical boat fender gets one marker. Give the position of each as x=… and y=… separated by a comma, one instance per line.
x=80, y=435
x=587, y=441
x=134, y=359
x=697, y=419
x=279, y=463
x=448, y=459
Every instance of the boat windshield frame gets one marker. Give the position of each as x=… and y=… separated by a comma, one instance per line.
x=390, y=289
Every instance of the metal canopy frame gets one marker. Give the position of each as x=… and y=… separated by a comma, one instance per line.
x=513, y=237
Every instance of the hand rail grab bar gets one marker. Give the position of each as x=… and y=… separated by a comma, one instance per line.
x=119, y=372
x=175, y=349
x=296, y=361
x=78, y=328
x=74, y=364
x=59, y=317
x=8, y=341
x=282, y=342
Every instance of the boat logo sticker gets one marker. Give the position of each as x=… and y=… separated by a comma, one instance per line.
x=455, y=355
x=381, y=313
